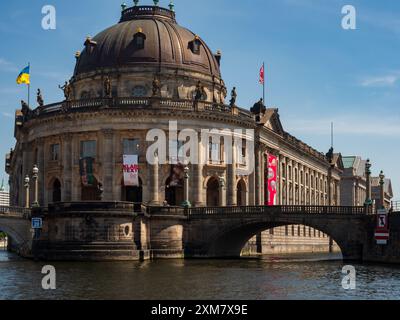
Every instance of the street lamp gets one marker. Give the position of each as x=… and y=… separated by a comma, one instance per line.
x=35, y=176
x=382, y=189
x=186, y=203
x=368, y=200
x=26, y=185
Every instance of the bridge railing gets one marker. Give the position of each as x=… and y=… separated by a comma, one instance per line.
x=395, y=206
x=15, y=212
x=276, y=209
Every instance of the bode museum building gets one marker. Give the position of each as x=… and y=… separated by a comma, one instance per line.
x=147, y=72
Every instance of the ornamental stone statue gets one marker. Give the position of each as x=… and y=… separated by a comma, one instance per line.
x=233, y=97
x=156, y=87
x=107, y=87
x=39, y=98
x=67, y=89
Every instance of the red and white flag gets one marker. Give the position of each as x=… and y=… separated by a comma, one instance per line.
x=262, y=75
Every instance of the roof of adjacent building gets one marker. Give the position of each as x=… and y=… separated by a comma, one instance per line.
x=354, y=166
x=387, y=186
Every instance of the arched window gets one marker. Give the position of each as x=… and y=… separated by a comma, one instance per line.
x=195, y=45
x=213, y=193
x=241, y=193
x=56, y=191
x=139, y=39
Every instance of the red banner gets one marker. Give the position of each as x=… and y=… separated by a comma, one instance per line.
x=272, y=179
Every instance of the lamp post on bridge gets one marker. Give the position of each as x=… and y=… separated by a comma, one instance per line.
x=186, y=203
x=35, y=175
x=368, y=200
x=382, y=189
x=26, y=185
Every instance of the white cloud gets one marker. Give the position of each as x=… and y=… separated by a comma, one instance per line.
x=347, y=125
x=381, y=81
x=7, y=66
x=7, y=115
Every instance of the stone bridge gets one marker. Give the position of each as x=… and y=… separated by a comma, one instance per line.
x=223, y=232
x=15, y=222
x=126, y=231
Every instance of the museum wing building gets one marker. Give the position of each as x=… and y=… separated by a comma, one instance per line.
x=141, y=74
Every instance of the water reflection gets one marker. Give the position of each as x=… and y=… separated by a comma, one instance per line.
x=277, y=277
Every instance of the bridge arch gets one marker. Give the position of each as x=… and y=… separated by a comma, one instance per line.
x=226, y=236
x=17, y=240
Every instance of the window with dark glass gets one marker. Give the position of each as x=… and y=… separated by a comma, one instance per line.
x=139, y=40
x=131, y=147
x=55, y=152
x=88, y=149
x=195, y=45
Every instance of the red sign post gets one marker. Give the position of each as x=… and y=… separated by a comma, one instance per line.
x=382, y=228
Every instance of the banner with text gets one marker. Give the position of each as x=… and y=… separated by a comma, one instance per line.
x=272, y=179
x=131, y=171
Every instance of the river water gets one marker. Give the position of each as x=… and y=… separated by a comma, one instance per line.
x=317, y=276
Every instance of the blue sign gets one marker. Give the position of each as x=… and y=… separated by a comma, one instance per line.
x=37, y=223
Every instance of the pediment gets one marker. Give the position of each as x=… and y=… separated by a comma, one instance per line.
x=272, y=121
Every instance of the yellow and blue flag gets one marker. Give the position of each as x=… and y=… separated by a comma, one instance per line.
x=24, y=76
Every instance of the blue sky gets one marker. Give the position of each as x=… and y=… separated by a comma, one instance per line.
x=316, y=71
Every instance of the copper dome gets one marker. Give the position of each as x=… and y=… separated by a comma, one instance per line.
x=166, y=44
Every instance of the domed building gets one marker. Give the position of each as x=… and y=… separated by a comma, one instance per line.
x=148, y=72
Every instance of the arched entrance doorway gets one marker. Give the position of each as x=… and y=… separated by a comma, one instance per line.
x=56, y=191
x=91, y=192
x=132, y=194
x=213, y=192
x=173, y=193
x=241, y=193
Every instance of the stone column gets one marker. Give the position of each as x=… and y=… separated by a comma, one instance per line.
x=154, y=183
x=262, y=178
x=198, y=180
x=222, y=192
x=42, y=169
x=67, y=161
x=329, y=182
x=280, y=189
x=257, y=176
x=108, y=164
x=232, y=186
x=25, y=171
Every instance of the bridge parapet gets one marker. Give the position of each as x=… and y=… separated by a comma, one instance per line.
x=276, y=210
x=17, y=212
x=395, y=207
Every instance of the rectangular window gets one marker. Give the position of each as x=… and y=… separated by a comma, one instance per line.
x=131, y=147
x=55, y=152
x=214, y=152
x=88, y=149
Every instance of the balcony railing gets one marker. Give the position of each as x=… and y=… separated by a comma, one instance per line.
x=138, y=103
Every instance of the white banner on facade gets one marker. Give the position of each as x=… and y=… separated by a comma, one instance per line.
x=131, y=171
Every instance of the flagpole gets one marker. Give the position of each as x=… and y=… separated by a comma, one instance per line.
x=29, y=86
x=264, y=84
